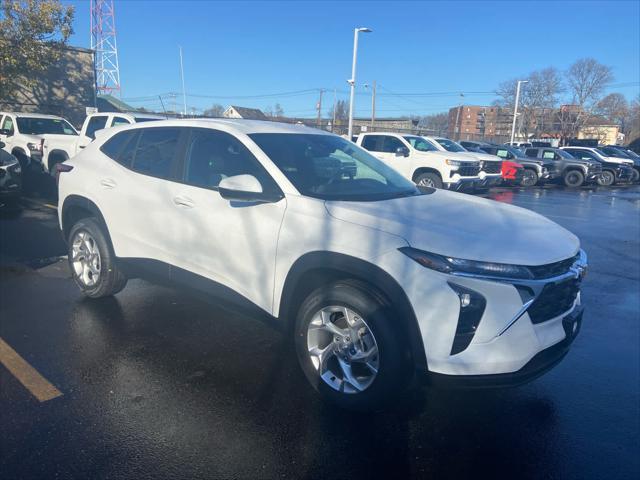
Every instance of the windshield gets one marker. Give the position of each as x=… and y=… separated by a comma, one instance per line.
x=614, y=152
x=332, y=168
x=564, y=154
x=40, y=126
x=420, y=144
x=450, y=145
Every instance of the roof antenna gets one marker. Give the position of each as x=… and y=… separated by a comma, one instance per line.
x=163, y=109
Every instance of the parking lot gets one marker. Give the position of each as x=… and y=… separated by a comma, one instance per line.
x=156, y=383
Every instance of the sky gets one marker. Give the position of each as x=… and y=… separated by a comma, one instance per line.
x=256, y=54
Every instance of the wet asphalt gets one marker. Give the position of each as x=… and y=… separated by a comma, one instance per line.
x=157, y=383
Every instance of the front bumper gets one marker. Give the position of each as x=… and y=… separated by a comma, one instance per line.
x=521, y=319
x=540, y=364
x=488, y=180
x=459, y=184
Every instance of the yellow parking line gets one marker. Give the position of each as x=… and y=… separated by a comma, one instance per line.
x=26, y=374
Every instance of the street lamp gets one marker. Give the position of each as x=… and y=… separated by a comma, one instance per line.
x=515, y=109
x=352, y=80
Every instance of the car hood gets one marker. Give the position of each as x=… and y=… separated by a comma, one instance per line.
x=462, y=156
x=486, y=156
x=463, y=226
x=621, y=161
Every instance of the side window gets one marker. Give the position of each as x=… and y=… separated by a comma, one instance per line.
x=212, y=155
x=95, y=123
x=7, y=124
x=155, y=151
x=119, y=121
x=549, y=154
x=121, y=143
x=391, y=144
x=372, y=143
x=531, y=152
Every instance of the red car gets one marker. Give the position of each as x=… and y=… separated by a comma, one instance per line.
x=512, y=173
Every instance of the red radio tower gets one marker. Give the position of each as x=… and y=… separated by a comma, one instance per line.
x=103, y=42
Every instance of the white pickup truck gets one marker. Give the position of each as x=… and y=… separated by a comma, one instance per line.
x=25, y=135
x=420, y=161
x=42, y=141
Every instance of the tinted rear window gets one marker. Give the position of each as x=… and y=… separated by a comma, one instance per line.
x=113, y=148
x=155, y=151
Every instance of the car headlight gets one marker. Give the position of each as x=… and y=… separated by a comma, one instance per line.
x=454, y=163
x=455, y=266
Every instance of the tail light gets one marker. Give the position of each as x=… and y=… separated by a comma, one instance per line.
x=61, y=168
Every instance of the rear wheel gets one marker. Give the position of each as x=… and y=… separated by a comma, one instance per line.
x=606, y=178
x=530, y=178
x=573, y=178
x=348, y=348
x=429, y=179
x=92, y=260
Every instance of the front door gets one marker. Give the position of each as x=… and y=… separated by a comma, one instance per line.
x=230, y=242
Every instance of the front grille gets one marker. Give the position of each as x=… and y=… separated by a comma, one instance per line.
x=470, y=171
x=554, y=300
x=492, y=167
x=553, y=269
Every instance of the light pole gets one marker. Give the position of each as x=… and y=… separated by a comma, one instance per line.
x=515, y=109
x=352, y=80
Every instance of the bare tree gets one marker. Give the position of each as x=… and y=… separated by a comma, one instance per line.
x=587, y=79
x=437, y=123
x=278, y=111
x=342, y=109
x=216, y=110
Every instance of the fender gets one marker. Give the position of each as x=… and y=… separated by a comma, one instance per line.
x=67, y=216
x=346, y=266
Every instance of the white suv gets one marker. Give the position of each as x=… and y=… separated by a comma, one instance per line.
x=376, y=279
x=25, y=134
x=418, y=160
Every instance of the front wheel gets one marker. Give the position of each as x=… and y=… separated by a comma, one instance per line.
x=635, y=176
x=350, y=348
x=530, y=178
x=429, y=179
x=92, y=261
x=574, y=178
x=606, y=178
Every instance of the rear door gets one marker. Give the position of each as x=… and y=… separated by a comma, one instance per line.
x=135, y=192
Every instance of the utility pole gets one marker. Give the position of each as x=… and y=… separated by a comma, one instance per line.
x=352, y=80
x=333, y=122
x=319, y=120
x=373, y=104
x=515, y=109
x=184, y=93
x=456, y=130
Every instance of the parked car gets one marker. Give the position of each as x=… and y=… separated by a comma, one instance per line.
x=573, y=171
x=520, y=145
x=489, y=164
x=512, y=172
x=622, y=152
x=536, y=171
x=614, y=169
x=379, y=280
x=24, y=135
x=10, y=176
x=101, y=120
x=421, y=162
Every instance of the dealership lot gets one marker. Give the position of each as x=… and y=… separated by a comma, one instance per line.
x=156, y=383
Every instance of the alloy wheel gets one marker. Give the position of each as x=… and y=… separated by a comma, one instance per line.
x=426, y=182
x=85, y=260
x=606, y=179
x=529, y=179
x=343, y=349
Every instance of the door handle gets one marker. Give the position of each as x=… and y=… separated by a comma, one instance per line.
x=183, y=202
x=81, y=146
x=108, y=183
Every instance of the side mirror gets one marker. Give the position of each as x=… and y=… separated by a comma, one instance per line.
x=402, y=152
x=5, y=131
x=2, y=144
x=245, y=188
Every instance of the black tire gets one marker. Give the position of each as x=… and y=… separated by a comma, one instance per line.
x=573, y=178
x=394, y=366
x=635, y=176
x=428, y=179
x=530, y=178
x=111, y=279
x=23, y=159
x=606, y=178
